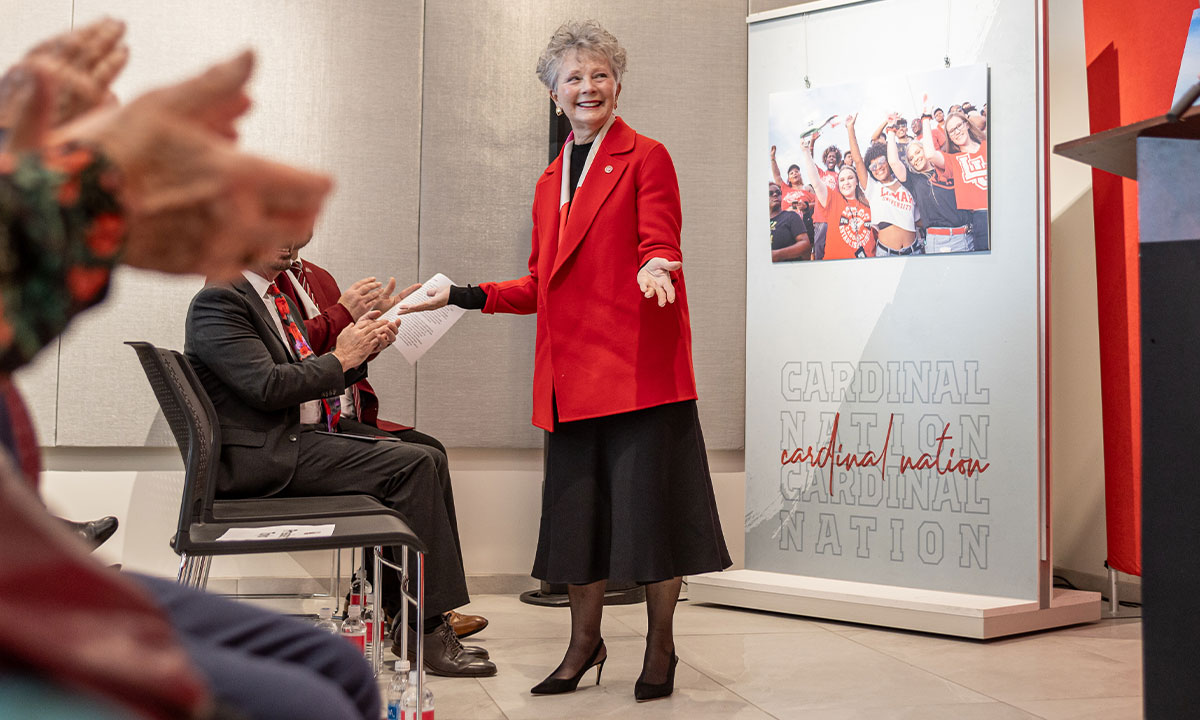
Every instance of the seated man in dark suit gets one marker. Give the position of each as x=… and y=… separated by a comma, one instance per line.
x=327, y=311
x=274, y=396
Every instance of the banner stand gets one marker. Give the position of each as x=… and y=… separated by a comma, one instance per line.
x=972, y=616
x=897, y=413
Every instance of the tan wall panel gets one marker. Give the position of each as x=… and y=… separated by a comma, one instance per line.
x=484, y=146
x=38, y=384
x=336, y=88
x=27, y=23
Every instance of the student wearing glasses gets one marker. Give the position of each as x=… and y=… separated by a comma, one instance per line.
x=965, y=157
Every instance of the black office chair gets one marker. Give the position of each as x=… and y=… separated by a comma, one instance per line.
x=359, y=520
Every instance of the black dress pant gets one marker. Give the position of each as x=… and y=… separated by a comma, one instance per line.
x=391, y=580
x=412, y=479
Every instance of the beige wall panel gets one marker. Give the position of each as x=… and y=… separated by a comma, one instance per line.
x=38, y=384
x=484, y=146
x=26, y=24
x=103, y=396
x=336, y=88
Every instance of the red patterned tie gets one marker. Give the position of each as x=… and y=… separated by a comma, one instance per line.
x=289, y=288
x=333, y=406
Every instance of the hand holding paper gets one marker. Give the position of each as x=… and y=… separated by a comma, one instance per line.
x=434, y=298
x=428, y=317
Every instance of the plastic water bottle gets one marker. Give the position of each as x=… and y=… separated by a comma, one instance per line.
x=408, y=702
x=395, y=693
x=366, y=615
x=326, y=621
x=354, y=630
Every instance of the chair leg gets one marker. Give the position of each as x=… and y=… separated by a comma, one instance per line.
x=205, y=566
x=420, y=690
x=404, y=595
x=377, y=613
x=191, y=567
x=407, y=595
x=335, y=571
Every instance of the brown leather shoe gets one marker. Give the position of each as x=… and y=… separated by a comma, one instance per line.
x=465, y=625
x=446, y=656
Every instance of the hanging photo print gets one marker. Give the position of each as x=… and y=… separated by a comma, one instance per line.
x=892, y=167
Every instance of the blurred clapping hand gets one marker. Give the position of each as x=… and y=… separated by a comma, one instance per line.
x=193, y=202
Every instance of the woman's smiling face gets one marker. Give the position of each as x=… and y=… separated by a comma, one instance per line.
x=586, y=91
x=847, y=182
x=956, y=130
x=916, y=157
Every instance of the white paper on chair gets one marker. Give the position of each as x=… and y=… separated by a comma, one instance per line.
x=278, y=532
x=420, y=331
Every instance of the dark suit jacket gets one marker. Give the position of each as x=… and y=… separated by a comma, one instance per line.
x=255, y=385
x=323, y=331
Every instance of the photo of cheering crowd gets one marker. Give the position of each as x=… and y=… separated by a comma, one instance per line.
x=888, y=168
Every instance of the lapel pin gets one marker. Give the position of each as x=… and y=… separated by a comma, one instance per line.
x=608, y=168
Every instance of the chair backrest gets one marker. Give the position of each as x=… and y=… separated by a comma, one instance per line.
x=193, y=421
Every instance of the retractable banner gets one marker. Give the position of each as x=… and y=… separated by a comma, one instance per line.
x=894, y=331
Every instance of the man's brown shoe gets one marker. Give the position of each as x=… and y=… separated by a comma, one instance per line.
x=465, y=625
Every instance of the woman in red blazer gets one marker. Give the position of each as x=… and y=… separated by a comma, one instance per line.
x=628, y=496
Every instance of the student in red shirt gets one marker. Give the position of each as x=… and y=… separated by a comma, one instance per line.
x=965, y=158
x=832, y=157
x=846, y=210
x=793, y=190
x=789, y=235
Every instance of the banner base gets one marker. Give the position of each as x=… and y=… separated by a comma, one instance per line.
x=946, y=613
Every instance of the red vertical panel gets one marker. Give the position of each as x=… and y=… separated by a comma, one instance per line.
x=1133, y=61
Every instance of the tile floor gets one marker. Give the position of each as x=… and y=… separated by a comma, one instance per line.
x=746, y=665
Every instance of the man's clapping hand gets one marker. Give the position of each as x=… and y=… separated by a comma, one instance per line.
x=368, y=335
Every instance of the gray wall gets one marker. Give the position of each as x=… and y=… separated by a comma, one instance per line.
x=431, y=119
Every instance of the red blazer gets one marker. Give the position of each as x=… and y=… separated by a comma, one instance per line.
x=322, y=336
x=601, y=347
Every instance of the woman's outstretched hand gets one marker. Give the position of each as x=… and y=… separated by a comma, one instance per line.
x=438, y=297
x=655, y=279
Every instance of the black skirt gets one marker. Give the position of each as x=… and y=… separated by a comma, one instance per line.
x=629, y=498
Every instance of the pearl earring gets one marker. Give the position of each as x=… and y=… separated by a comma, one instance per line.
x=558, y=110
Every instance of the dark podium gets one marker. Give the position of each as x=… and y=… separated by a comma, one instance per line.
x=1164, y=157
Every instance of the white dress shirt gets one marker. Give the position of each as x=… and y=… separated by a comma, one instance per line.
x=311, y=310
x=310, y=412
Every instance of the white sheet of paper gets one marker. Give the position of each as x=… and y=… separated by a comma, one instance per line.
x=278, y=532
x=420, y=331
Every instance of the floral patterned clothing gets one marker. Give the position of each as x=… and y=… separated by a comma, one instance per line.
x=61, y=232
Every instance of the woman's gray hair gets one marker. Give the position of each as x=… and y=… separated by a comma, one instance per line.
x=583, y=36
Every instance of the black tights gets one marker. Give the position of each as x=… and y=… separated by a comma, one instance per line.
x=587, y=609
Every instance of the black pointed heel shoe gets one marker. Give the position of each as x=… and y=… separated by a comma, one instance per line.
x=558, y=686
x=643, y=691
